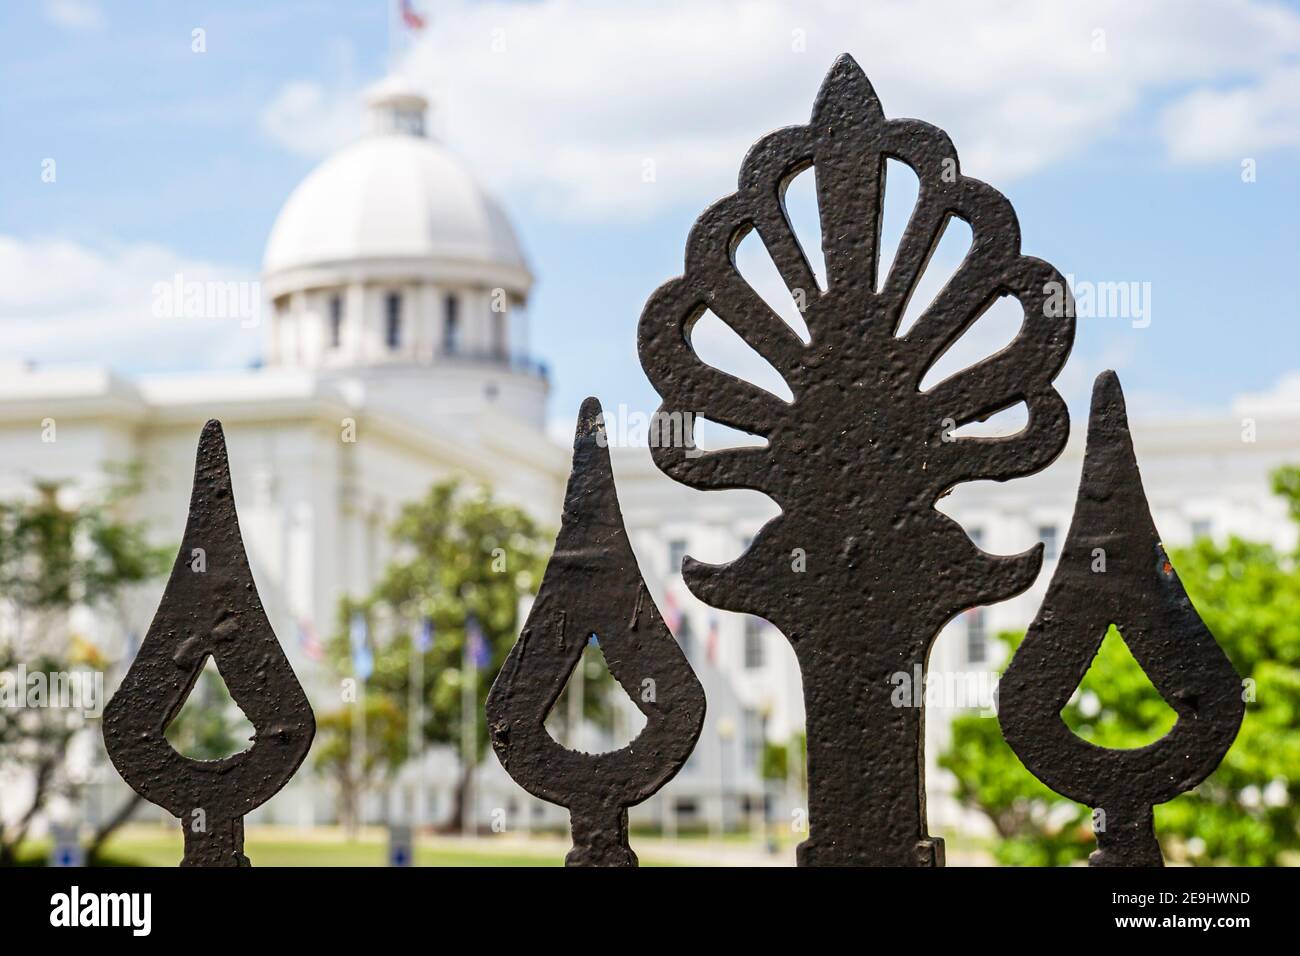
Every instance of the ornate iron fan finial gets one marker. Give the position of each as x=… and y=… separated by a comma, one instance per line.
x=860, y=571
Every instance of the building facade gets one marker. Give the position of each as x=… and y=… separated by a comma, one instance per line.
x=397, y=356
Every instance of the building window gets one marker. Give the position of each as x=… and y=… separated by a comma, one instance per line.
x=393, y=320
x=1048, y=533
x=451, y=324
x=753, y=643
x=676, y=553
x=336, y=321
x=1202, y=528
x=976, y=638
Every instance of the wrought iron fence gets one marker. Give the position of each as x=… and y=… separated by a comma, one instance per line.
x=856, y=462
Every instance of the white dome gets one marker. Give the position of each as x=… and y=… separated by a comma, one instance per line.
x=393, y=195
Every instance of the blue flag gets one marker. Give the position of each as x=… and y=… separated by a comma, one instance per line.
x=363, y=661
x=424, y=638
x=476, y=647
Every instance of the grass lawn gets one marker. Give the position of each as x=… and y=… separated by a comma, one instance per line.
x=154, y=846
x=160, y=851
x=150, y=844
x=144, y=844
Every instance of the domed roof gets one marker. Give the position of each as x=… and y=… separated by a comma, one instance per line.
x=392, y=195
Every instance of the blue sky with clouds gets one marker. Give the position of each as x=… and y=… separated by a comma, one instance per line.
x=1117, y=130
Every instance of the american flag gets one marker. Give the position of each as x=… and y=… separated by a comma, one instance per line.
x=309, y=640
x=410, y=17
x=711, y=640
x=672, y=613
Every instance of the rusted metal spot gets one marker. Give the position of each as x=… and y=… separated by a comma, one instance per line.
x=209, y=608
x=1161, y=628
x=592, y=581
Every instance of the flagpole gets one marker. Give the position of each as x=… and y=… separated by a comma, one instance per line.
x=415, y=726
x=358, y=754
x=468, y=730
x=392, y=35
x=362, y=665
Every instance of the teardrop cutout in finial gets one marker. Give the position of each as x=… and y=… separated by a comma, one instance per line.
x=592, y=585
x=209, y=608
x=1114, y=570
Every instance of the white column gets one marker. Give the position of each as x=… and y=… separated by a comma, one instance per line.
x=293, y=328
x=428, y=320
x=353, y=340
x=277, y=324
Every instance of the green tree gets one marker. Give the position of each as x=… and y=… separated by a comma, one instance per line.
x=463, y=555
x=1246, y=812
x=385, y=751
x=55, y=558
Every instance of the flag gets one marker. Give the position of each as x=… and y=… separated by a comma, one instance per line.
x=477, y=651
x=410, y=17
x=309, y=640
x=711, y=640
x=424, y=637
x=363, y=661
x=672, y=613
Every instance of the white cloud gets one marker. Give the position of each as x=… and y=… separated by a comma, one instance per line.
x=61, y=301
x=75, y=14
x=1282, y=399
x=1234, y=124
x=305, y=119
x=562, y=102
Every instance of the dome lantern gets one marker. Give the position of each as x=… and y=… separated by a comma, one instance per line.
x=396, y=107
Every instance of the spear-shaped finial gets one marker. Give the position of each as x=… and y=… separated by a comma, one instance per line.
x=210, y=608
x=1114, y=570
x=592, y=587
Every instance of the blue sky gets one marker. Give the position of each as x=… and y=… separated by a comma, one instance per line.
x=1119, y=135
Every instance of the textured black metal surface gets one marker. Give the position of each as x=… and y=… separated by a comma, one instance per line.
x=211, y=612
x=857, y=461
x=1139, y=592
x=592, y=586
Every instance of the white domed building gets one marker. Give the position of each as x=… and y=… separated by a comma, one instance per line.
x=396, y=355
x=391, y=256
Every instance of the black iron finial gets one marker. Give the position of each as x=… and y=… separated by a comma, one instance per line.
x=209, y=608
x=592, y=586
x=1114, y=570
x=860, y=571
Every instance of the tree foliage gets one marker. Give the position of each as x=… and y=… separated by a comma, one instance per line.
x=461, y=555
x=55, y=557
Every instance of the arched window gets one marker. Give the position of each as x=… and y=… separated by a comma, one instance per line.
x=336, y=321
x=393, y=315
x=451, y=324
